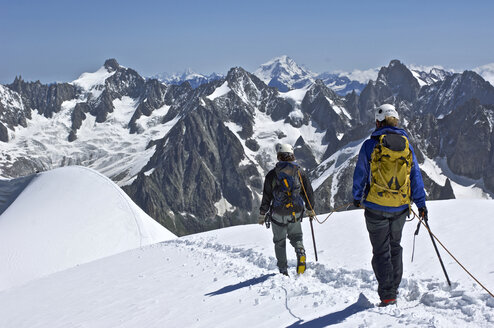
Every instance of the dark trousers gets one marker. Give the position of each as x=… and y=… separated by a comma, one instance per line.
x=282, y=229
x=385, y=235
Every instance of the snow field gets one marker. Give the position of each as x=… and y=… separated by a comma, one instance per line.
x=66, y=217
x=228, y=277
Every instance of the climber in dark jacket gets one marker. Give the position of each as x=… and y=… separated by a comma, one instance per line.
x=286, y=212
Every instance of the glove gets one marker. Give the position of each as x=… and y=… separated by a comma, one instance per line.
x=356, y=203
x=423, y=213
x=261, y=219
x=311, y=214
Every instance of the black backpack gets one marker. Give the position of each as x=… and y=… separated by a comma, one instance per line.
x=287, y=199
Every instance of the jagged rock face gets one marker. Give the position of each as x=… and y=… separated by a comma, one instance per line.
x=46, y=99
x=442, y=97
x=396, y=85
x=426, y=134
x=433, y=76
x=12, y=110
x=467, y=139
x=327, y=110
x=78, y=116
x=400, y=80
x=374, y=94
x=351, y=103
x=154, y=97
x=327, y=197
x=124, y=82
x=4, y=133
x=194, y=168
x=436, y=191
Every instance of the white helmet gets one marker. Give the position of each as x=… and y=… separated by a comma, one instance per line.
x=386, y=110
x=284, y=148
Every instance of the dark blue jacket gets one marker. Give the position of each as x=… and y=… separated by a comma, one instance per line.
x=361, y=176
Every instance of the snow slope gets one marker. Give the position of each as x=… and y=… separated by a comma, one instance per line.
x=228, y=278
x=66, y=217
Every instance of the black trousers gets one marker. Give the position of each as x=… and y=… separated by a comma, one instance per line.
x=385, y=230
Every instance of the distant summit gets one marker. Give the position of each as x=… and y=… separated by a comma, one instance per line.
x=194, y=79
x=285, y=74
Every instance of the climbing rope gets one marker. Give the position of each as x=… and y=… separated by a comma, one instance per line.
x=450, y=254
x=333, y=211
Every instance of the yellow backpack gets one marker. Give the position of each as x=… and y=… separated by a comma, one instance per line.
x=390, y=166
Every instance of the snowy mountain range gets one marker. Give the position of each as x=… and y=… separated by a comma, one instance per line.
x=285, y=74
x=194, y=158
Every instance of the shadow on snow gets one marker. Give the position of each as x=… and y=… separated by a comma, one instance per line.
x=362, y=304
x=247, y=283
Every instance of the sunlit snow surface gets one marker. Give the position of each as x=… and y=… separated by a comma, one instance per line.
x=228, y=278
x=89, y=81
x=220, y=91
x=66, y=217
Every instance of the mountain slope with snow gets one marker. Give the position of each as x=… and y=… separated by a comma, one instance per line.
x=228, y=277
x=66, y=217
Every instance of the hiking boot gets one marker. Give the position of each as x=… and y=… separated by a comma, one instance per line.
x=300, y=260
x=387, y=302
x=284, y=272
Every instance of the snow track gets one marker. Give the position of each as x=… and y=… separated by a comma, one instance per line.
x=323, y=287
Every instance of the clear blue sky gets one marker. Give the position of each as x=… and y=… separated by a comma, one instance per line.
x=58, y=40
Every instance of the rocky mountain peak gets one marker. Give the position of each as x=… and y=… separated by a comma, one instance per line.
x=236, y=72
x=473, y=77
x=400, y=80
x=111, y=65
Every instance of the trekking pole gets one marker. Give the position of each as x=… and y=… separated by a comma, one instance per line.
x=313, y=239
x=310, y=218
x=437, y=252
x=426, y=223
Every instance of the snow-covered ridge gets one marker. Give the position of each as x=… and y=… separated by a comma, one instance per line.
x=66, y=217
x=88, y=81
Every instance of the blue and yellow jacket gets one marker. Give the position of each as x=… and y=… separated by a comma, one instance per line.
x=361, y=176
